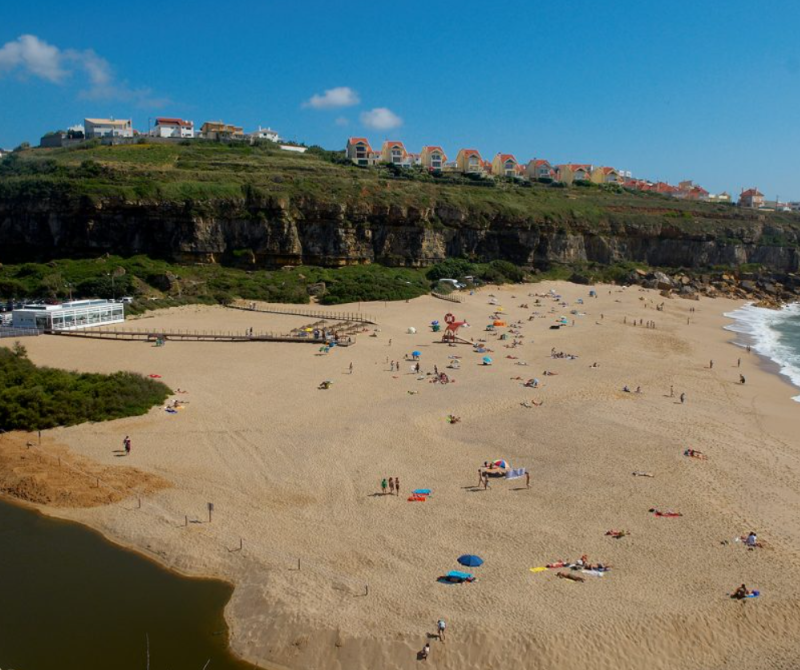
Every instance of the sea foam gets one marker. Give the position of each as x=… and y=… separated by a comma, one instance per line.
x=774, y=333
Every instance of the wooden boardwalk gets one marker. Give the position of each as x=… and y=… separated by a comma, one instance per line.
x=188, y=336
x=354, y=317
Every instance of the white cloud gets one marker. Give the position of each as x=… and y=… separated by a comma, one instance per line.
x=30, y=56
x=342, y=121
x=341, y=96
x=33, y=56
x=381, y=118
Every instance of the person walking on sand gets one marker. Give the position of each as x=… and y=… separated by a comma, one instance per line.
x=440, y=626
x=397, y=485
x=126, y=444
x=391, y=486
x=671, y=391
x=351, y=368
x=738, y=362
x=527, y=479
x=683, y=398
x=485, y=481
x=480, y=477
x=383, y=485
x=426, y=651
x=390, y=341
x=741, y=379
x=711, y=365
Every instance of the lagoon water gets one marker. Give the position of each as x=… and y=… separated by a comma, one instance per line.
x=774, y=334
x=73, y=601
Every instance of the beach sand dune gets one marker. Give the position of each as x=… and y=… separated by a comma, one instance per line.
x=294, y=472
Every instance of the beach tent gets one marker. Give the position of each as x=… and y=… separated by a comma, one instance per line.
x=487, y=360
x=470, y=560
x=411, y=331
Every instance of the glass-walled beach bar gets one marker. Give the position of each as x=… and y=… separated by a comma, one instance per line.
x=69, y=315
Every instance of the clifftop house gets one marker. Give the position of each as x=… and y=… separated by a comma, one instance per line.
x=217, y=130
x=539, y=168
x=469, y=161
x=107, y=128
x=169, y=127
x=504, y=165
x=359, y=151
x=752, y=198
x=433, y=158
x=569, y=173
x=264, y=134
x=393, y=152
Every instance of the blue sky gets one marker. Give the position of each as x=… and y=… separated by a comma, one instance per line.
x=671, y=90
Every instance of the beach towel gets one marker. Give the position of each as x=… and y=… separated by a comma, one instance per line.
x=539, y=569
x=421, y=492
x=516, y=474
x=668, y=515
x=171, y=411
x=416, y=498
x=594, y=573
x=557, y=564
x=455, y=575
x=154, y=376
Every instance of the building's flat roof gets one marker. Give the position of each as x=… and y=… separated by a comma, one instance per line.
x=75, y=304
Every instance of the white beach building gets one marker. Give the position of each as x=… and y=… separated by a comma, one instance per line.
x=69, y=315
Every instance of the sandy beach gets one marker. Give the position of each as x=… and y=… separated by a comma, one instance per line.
x=332, y=574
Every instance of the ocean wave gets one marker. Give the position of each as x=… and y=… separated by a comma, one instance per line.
x=774, y=333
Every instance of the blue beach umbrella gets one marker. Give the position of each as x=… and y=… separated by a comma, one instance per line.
x=487, y=360
x=416, y=353
x=470, y=560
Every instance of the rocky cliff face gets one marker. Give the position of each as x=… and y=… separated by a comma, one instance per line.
x=310, y=232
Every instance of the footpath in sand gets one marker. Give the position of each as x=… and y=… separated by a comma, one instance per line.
x=330, y=573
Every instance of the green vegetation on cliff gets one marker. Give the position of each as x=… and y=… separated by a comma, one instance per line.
x=35, y=398
x=201, y=174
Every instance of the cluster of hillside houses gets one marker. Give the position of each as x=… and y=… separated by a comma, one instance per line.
x=470, y=161
x=163, y=128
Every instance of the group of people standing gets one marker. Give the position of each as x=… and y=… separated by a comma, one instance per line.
x=392, y=484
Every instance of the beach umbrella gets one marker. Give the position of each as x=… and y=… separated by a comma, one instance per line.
x=416, y=353
x=500, y=463
x=487, y=360
x=470, y=560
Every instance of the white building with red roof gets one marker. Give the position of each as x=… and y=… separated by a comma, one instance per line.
x=170, y=127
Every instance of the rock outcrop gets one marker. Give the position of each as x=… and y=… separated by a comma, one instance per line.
x=275, y=233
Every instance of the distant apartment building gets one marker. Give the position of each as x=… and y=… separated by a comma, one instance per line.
x=99, y=128
x=606, y=175
x=504, y=165
x=793, y=206
x=359, y=151
x=752, y=198
x=433, y=158
x=569, y=173
x=720, y=197
x=217, y=130
x=539, y=168
x=393, y=152
x=169, y=127
x=469, y=161
x=264, y=134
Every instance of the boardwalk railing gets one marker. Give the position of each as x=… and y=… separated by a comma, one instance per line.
x=451, y=298
x=355, y=317
x=19, y=332
x=187, y=335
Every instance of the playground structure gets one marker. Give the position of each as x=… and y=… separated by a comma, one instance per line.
x=450, y=334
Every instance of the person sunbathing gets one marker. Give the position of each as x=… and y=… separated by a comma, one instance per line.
x=570, y=576
x=537, y=403
x=453, y=419
x=617, y=534
x=666, y=513
x=693, y=453
x=639, y=473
